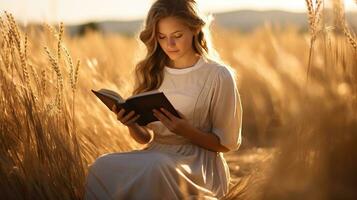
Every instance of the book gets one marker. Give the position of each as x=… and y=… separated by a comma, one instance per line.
x=142, y=103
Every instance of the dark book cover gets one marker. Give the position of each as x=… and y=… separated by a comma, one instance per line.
x=142, y=104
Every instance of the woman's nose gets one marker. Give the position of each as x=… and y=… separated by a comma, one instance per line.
x=171, y=42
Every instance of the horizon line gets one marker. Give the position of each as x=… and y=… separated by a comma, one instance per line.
x=133, y=19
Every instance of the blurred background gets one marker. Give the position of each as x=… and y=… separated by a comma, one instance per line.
x=125, y=17
x=296, y=64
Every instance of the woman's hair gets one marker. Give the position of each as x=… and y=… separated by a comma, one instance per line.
x=149, y=71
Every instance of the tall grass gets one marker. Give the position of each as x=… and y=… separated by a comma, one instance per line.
x=52, y=127
x=48, y=136
x=40, y=152
x=315, y=157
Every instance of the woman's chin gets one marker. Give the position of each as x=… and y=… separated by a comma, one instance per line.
x=173, y=57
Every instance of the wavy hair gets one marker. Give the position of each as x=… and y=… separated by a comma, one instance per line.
x=149, y=71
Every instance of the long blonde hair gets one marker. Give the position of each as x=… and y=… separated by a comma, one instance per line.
x=149, y=72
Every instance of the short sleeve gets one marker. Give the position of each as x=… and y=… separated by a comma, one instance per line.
x=226, y=110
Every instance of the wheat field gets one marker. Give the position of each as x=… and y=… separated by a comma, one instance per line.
x=298, y=90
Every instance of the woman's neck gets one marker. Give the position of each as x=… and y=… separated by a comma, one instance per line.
x=185, y=62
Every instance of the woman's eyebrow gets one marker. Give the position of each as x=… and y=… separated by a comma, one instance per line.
x=172, y=32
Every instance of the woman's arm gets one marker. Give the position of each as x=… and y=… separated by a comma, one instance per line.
x=205, y=140
x=139, y=134
x=182, y=127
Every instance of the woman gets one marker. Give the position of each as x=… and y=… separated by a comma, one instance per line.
x=184, y=157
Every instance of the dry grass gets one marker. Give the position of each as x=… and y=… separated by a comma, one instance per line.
x=315, y=158
x=52, y=127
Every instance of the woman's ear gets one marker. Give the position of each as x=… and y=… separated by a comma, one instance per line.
x=196, y=32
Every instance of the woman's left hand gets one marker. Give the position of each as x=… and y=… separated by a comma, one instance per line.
x=173, y=123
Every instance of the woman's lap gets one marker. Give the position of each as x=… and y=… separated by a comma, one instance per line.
x=120, y=173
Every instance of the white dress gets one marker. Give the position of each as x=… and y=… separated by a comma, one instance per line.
x=171, y=167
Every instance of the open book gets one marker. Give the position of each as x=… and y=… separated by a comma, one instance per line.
x=142, y=104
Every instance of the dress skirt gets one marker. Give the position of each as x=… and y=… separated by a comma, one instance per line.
x=161, y=171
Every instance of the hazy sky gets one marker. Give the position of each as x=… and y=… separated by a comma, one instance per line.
x=77, y=11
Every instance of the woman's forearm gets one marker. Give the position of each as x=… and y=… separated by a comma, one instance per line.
x=139, y=134
x=205, y=140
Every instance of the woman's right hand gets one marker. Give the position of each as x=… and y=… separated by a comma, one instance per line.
x=127, y=120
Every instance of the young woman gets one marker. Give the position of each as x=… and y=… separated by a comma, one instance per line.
x=184, y=157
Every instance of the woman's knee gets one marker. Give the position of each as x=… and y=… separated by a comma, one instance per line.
x=161, y=160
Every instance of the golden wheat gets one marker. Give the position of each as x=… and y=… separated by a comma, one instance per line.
x=351, y=37
x=60, y=34
x=314, y=15
x=45, y=150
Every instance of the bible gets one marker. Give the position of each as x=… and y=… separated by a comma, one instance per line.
x=142, y=103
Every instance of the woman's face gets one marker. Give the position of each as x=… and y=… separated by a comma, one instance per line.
x=175, y=38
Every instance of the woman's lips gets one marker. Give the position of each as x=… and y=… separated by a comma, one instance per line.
x=173, y=51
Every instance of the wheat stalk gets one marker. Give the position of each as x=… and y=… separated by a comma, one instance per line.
x=73, y=71
x=73, y=75
x=314, y=14
x=3, y=28
x=76, y=74
x=15, y=36
x=351, y=37
x=4, y=56
x=73, y=85
x=71, y=67
x=311, y=15
x=55, y=67
x=14, y=32
x=339, y=11
x=24, y=65
x=43, y=81
x=318, y=12
x=49, y=28
x=35, y=76
x=59, y=87
x=60, y=35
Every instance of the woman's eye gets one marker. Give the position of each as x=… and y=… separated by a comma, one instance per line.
x=176, y=36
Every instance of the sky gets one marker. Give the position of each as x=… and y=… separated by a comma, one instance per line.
x=80, y=11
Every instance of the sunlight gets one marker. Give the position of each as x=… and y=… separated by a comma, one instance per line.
x=74, y=12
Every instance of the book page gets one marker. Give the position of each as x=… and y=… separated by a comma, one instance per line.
x=144, y=94
x=112, y=94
